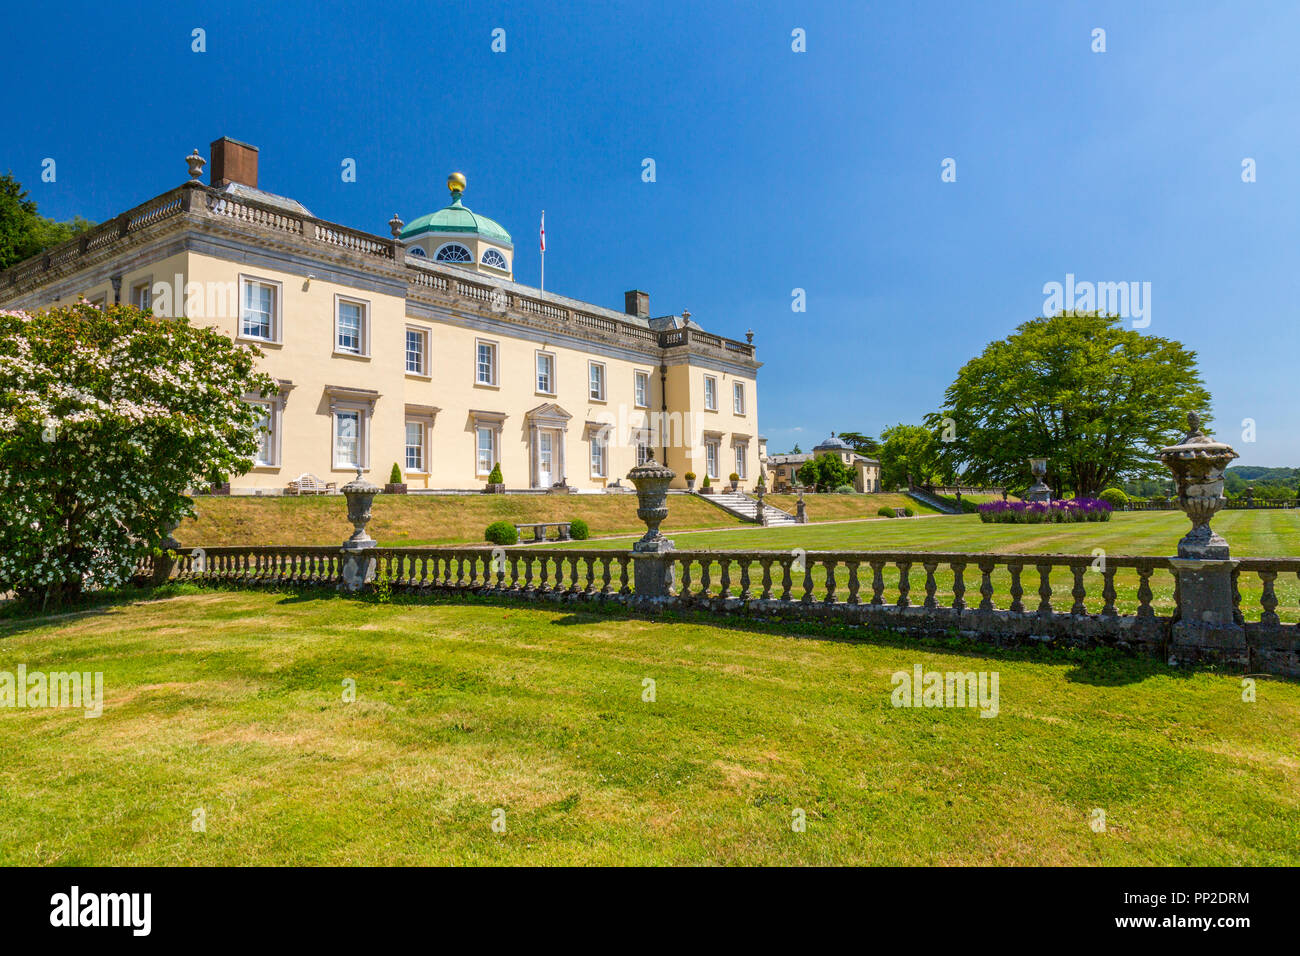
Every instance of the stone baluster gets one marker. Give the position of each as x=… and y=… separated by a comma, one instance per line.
x=958, y=585
x=853, y=583
x=1044, y=590
x=1144, y=592
x=904, y=583
x=1078, y=592
x=930, y=585
x=1017, y=589
x=1268, y=599
x=1108, y=594
x=1235, y=584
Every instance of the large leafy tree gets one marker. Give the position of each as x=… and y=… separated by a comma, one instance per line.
x=1094, y=397
x=106, y=417
x=908, y=454
x=825, y=472
x=23, y=231
x=862, y=443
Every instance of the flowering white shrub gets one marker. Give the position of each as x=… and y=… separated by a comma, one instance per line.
x=107, y=416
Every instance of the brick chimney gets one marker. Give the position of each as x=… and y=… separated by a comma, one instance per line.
x=233, y=162
x=637, y=303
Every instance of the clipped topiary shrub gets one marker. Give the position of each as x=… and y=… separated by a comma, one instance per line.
x=578, y=530
x=886, y=512
x=845, y=490
x=395, y=476
x=501, y=532
x=909, y=512
x=1115, y=497
x=495, y=478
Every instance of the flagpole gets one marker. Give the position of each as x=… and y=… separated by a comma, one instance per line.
x=542, y=286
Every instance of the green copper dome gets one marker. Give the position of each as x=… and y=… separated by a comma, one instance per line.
x=456, y=218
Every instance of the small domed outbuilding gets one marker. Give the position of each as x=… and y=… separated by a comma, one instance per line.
x=866, y=471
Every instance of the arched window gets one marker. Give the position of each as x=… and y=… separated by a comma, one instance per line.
x=454, y=252
x=495, y=259
x=416, y=251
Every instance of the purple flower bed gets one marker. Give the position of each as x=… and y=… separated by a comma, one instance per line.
x=1040, y=512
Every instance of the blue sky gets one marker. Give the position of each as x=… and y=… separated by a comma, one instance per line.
x=775, y=170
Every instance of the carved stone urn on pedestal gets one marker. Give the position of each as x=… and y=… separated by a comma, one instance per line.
x=358, y=565
x=360, y=495
x=652, y=480
x=652, y=565
x=1198, y=464
x=1208, y=629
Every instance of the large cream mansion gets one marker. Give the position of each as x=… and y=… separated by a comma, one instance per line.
x=417, y=348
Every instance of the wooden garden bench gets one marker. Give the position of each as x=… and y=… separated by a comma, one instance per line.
x=309, y=484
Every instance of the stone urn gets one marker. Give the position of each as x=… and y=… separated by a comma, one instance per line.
x=652, y=480
x=1038, y=491
x=1198, y=464
x=360, y=495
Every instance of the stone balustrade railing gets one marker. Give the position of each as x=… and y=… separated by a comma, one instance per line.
x=1123, y=601
x=1213, y=614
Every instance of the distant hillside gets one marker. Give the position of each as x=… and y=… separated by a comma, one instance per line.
x=1267, y=482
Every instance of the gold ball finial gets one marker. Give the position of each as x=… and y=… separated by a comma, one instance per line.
x=456, y=182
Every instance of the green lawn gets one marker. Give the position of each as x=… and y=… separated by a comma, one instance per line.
x=424, y=520
x=231, y=702
x=419, y=520
x=834, y=507
x=1249, y=533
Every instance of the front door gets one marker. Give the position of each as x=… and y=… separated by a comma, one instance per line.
x=544, y=458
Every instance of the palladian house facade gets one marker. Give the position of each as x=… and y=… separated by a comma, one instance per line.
x=417, y=348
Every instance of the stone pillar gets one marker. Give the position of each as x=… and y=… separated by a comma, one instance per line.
x=1207, y=629
x=652, y=564
x=562, y=436
x=359, y=564
x=800, y=510
x=535, y=457
x=761, y=512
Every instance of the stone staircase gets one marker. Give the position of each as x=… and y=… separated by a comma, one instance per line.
x=745, y=508
x=928, y=499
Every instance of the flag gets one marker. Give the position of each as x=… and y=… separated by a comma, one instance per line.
x=543, y=232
